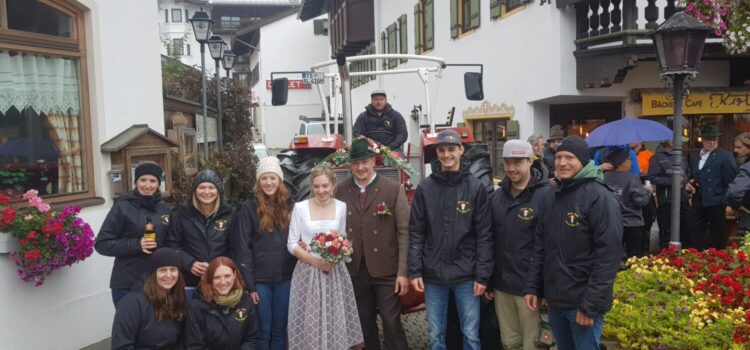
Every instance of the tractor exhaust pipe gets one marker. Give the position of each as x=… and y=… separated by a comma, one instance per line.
x=346, y=97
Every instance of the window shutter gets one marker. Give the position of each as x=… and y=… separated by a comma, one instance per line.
x=392, y=44
x=429, y=25
x=417, y=28
x=384, y=49
x=475, y=5
x=166, y=16
x=403, y=36
x=494, y=9
x=454, y=18
x=187, y=18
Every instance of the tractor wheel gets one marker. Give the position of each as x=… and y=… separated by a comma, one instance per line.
x=480, y=164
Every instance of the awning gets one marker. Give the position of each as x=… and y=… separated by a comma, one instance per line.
x=310, y=9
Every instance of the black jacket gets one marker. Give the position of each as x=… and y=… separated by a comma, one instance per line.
x=513, y=222
x=214, y=327
x=738, y=195
x=136, y=326
x=388, y=129
x=715, y=176
x=121, y=233
x=548, y=158
x=578, y=245
x=197, y=238
x=450, y=239
x=660, y=174
x=631, y=194
x=262, y=255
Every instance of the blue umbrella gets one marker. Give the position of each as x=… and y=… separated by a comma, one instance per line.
x=628, y=130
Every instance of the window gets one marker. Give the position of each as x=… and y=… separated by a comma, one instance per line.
x=464, y=16
x=499, y=8
x=44, y=117
x=228, y=22
x=177, y=47
x=188, y=49
x=166, y=16
x=424, y=11
x=176, y=15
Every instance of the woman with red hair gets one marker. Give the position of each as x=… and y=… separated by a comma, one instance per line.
x=221, y=314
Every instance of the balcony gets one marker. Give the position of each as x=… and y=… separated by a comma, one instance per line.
x=228, y=26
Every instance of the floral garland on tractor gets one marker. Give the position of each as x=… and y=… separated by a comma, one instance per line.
x=384, y=156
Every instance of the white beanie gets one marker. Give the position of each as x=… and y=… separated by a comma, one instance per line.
x=269, y=164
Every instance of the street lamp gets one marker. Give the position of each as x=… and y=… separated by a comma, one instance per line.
x=415, y=112
x=216, y=46
x=227, y=61
x=679, y=45
x=201, y=28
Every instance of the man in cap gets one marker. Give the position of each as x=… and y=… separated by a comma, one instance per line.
x=577, y=249
x=556, y=134
x=450, y=242
x=377, y=224
x=515, y=208
x=381, y=123
x=539, y=169
x=713, y=170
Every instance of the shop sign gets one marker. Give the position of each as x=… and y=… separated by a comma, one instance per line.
x=734, y=102
x=292, y=85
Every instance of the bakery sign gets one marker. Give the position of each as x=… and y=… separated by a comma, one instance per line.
x=710, y=102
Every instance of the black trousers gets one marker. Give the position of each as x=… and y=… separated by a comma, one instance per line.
x=632, y=240
x=373, y=296
x=713, y=219
x=664, y=221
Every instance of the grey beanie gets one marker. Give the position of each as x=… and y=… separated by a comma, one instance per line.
x=208, y=176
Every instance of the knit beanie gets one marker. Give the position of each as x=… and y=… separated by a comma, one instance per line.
x=577, y=146
x=269, y=164
x=148, y=168
x=618, y=155
x=208, y=176
x=164, y=257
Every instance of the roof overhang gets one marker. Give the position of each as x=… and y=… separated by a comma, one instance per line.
x=310, y=9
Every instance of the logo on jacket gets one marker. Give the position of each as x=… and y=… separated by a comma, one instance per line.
x=240, y=314
x=463, y=207
x=526, y=214
x=387, y=123
x=220, y=225
x=165, y=219
x=572, y=219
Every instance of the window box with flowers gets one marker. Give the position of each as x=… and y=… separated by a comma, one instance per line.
x=730, y=20
x=45, y=239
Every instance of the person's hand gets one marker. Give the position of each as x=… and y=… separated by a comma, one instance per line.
x=479, y=289
x=199, y=268
x=147, y=245
x=418, y=284
x=606, y=166
x=255, y=297
x=325, y=267
x=402, y=286
x=649, y=188
x=302, y=245
x=489, y=295
x=531, y=301
x=584, y=320
x=689, y=188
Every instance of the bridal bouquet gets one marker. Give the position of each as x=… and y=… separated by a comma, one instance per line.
x=332, y=247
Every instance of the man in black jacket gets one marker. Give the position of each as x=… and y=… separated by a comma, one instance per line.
x=515, y=208
x=577, y=249
x=660, y=174
x=381, y=123
x=450, y=242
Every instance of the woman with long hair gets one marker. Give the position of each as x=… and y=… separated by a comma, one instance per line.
x=222, y=315
x=122, y=233
x=152, y=316
x=261, y=228
x=738, y=194
x=322, y=310
x=199, y=227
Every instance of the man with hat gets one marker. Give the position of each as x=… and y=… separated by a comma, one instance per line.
x=577, y=249
x=556, y=134
x=713, y=170
x=450, y=242
x=377, y=224
x=381, y=123
x=515, y=208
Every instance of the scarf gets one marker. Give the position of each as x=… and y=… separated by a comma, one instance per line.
x=230, y=300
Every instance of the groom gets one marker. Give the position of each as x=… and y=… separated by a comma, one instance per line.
x=378, y=226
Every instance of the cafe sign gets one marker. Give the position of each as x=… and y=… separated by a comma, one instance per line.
x=733, y=102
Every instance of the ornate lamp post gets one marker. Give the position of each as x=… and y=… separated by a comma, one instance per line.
x=679, y=46
x=216, y=46
x=227, y=61
x=201, y=29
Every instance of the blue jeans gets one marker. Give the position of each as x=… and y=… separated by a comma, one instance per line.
x=273, y=309
x=118, y=294
x=436, y=301
x=569, y=335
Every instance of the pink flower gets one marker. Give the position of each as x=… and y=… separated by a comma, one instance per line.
x=30, y=194
x=28, y=217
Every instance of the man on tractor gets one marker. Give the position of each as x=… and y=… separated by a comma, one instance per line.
x=381, y=123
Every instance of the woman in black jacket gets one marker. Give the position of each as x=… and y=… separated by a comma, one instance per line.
x=261, y=229
x=221, y=315
x=121, y=235
x=199, y=227
x=153, y=315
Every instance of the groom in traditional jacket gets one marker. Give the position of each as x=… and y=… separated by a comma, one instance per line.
x=378, y=226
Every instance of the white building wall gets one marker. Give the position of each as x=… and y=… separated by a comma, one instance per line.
x=288, y=45
x=74, y=307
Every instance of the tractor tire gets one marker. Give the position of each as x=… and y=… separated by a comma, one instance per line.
x=480, y=164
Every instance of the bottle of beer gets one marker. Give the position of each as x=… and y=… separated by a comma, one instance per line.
x=148, y=230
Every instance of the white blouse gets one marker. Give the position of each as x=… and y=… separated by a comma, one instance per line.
x=302, y=227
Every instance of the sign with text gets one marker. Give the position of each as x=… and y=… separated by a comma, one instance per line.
x=314, y=77
x=292, y=85
x=720, y=102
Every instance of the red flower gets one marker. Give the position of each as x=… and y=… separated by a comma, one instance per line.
x=728, y=299
x=381, y=207
x=33, y=254
x=4, y=199
x=9, y=214
x=747, y=316
x=22, y=242
x=31, y=236
x=672, y=248
x=715, y=268
x=333, y=250
x=741, y=255
x=678, y=262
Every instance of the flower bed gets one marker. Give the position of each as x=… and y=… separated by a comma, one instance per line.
x=685, y=300
x=48, y=239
